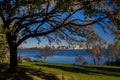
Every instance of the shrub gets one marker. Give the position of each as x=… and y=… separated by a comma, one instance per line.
x=26, y=59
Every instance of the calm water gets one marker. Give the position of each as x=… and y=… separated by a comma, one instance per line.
x=62, y=56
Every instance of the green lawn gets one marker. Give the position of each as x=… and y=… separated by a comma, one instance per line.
x=50, y=71
x=71, y=72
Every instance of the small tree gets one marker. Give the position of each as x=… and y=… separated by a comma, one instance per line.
x=113, y=53
x=96, y=53
x=45, y=52
x=80, y=59
x=94, y=48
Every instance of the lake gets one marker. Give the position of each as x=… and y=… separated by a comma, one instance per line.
x=62, y=56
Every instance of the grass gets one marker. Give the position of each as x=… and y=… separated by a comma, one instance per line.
x=50, y=71
x=72, y=72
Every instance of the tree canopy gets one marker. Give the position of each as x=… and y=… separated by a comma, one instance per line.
x=33, y=18
x=55, y=20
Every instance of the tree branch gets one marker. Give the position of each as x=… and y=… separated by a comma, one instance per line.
x=90, y=23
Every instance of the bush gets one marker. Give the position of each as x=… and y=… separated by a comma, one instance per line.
x=85, y=63
x=26, y=59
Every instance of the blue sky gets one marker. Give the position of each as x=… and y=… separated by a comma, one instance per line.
x=32, y=42
x=109, y=37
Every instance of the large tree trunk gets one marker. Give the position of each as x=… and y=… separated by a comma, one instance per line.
x=13, y=52
x=13, y=58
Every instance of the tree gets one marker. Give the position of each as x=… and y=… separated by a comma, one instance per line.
x=95, y=48
x=113, y=53
x=45, y=52
x=80, y=59
x=96, y=53
x=51, y=19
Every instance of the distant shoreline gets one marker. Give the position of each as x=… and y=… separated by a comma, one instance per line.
x=52, y=49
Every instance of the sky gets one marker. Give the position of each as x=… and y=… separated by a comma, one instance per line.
x=32, y=42
x=109, y=37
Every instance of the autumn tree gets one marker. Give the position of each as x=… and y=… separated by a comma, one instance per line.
x=51, y=19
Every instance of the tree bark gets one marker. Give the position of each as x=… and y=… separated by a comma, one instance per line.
x=13, y=58
x=13, y=52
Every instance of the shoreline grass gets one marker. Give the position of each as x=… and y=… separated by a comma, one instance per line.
x=74, y=72
x=53, y=71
